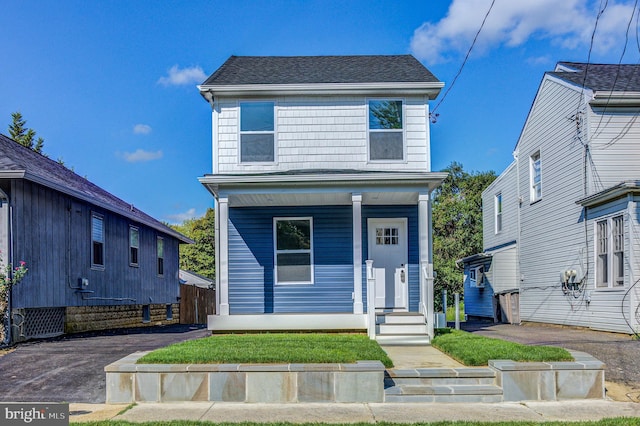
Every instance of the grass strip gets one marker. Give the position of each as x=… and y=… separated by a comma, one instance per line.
x=474, y=350
x=271, y=348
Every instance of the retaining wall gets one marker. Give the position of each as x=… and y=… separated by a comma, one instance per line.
x=280, y=383
x=90, y=318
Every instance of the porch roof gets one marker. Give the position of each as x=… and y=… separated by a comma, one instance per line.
x=612, y=193
x=327, y=187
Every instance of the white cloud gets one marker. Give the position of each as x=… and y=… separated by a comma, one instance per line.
x=183, y=76
x=140, y=155
x=141, y=129
x=566, y=23
x=181, y=217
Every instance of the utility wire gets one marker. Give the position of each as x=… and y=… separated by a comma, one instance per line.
x=433, y=114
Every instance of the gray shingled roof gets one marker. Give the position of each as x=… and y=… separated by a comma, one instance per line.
x=602, y=77
x=38, y=168
x=240, y=70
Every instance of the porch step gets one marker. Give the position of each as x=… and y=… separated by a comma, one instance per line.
x=401, y=328
x=403, y=339
x=442, y=385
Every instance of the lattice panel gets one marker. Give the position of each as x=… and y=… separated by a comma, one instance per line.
x=42, y=322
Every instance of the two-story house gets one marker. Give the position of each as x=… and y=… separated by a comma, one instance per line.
x=569, y=200
x=320, y=165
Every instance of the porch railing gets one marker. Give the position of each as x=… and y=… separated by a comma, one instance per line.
x=371, y=308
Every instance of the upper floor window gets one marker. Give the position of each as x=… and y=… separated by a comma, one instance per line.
x=498, y=212
x=610, y=252
x=535, y=173
x=134, y=245
x=97, y=241
x=257, y=132
x=293, y=250
x=160, y=255
x=386, y=130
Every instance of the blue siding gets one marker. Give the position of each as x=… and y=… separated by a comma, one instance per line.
x=478, y=301
x=251, y=263
x=411, y=213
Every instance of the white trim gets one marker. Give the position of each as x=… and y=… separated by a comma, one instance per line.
x=276, y=251
x=533, y=196
x=497, y=197
x=430, y=89
x=404, y=133
x=611, y=286
x=223, y=253
x=356, y=200
x=215, y=138
x=263, y=322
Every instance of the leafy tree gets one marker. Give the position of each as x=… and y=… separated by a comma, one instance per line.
x=23, y=135
x=199, y=257
x=457, y=224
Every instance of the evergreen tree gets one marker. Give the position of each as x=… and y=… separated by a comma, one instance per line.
x=24, y=136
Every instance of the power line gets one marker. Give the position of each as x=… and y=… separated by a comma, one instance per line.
x=433, y=114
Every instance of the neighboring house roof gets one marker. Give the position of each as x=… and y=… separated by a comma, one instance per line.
x=615, y=192
x=243, y=73
x=19, y=162
x=600, y=77
x=191, y=278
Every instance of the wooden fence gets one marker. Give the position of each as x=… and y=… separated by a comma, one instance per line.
x=196, y=303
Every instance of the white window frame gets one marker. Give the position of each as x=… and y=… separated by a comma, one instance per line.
x=476, y=276
x=276, y=251
x=535, y=188
x=498, y=210
x=260, y=132
x=608, y=247
x=99, y=266
x=159, y=243
x=403, y=131
x=472, y=277
x=131, y=246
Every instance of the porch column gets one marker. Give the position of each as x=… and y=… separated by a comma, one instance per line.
x=426, y=259
x=222, y=254
x=356, y=200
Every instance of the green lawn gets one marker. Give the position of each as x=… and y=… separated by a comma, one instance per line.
x=271, y=348
x=473, y=350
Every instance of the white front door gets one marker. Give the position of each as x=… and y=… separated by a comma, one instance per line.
x=388, y=248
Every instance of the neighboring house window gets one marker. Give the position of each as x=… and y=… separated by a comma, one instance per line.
x=386, y=132
x=293, y=250
x=134, y=245
x=257, y=132
x=476, y=276
x=472, y=277
x=97, y=241
x=610, y=252
x=146, y=313
x=535, y=173
x=498, y=213
x=160, y=251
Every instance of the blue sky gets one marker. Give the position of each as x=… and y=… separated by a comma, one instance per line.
x=110, y=85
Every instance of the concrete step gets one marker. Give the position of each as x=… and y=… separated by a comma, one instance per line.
x=451, y=393
x=442, y=385
x=403, y=339
x=393, y=328
x=399, y=318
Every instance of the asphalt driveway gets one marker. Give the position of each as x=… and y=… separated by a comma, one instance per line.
x=619, y=352
x=71, y=368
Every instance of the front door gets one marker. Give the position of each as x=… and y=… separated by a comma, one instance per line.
x=388, y=248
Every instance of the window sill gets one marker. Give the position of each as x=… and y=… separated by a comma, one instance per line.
x=294, y=284
x=97, y=268
x=535, y=201
x=612, y=289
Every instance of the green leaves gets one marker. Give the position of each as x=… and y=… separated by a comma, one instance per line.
x=457, y=224
x=199, y=257
x=24, y=136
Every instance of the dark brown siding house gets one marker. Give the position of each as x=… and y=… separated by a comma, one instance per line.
x=95, y=262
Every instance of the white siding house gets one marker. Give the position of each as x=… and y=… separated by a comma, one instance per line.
x=577, y=166
x=322, y=182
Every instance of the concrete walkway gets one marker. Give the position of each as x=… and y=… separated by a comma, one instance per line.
x=408, y=357
x=350, y=413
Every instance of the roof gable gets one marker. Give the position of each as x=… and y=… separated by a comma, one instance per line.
x=19, y=161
